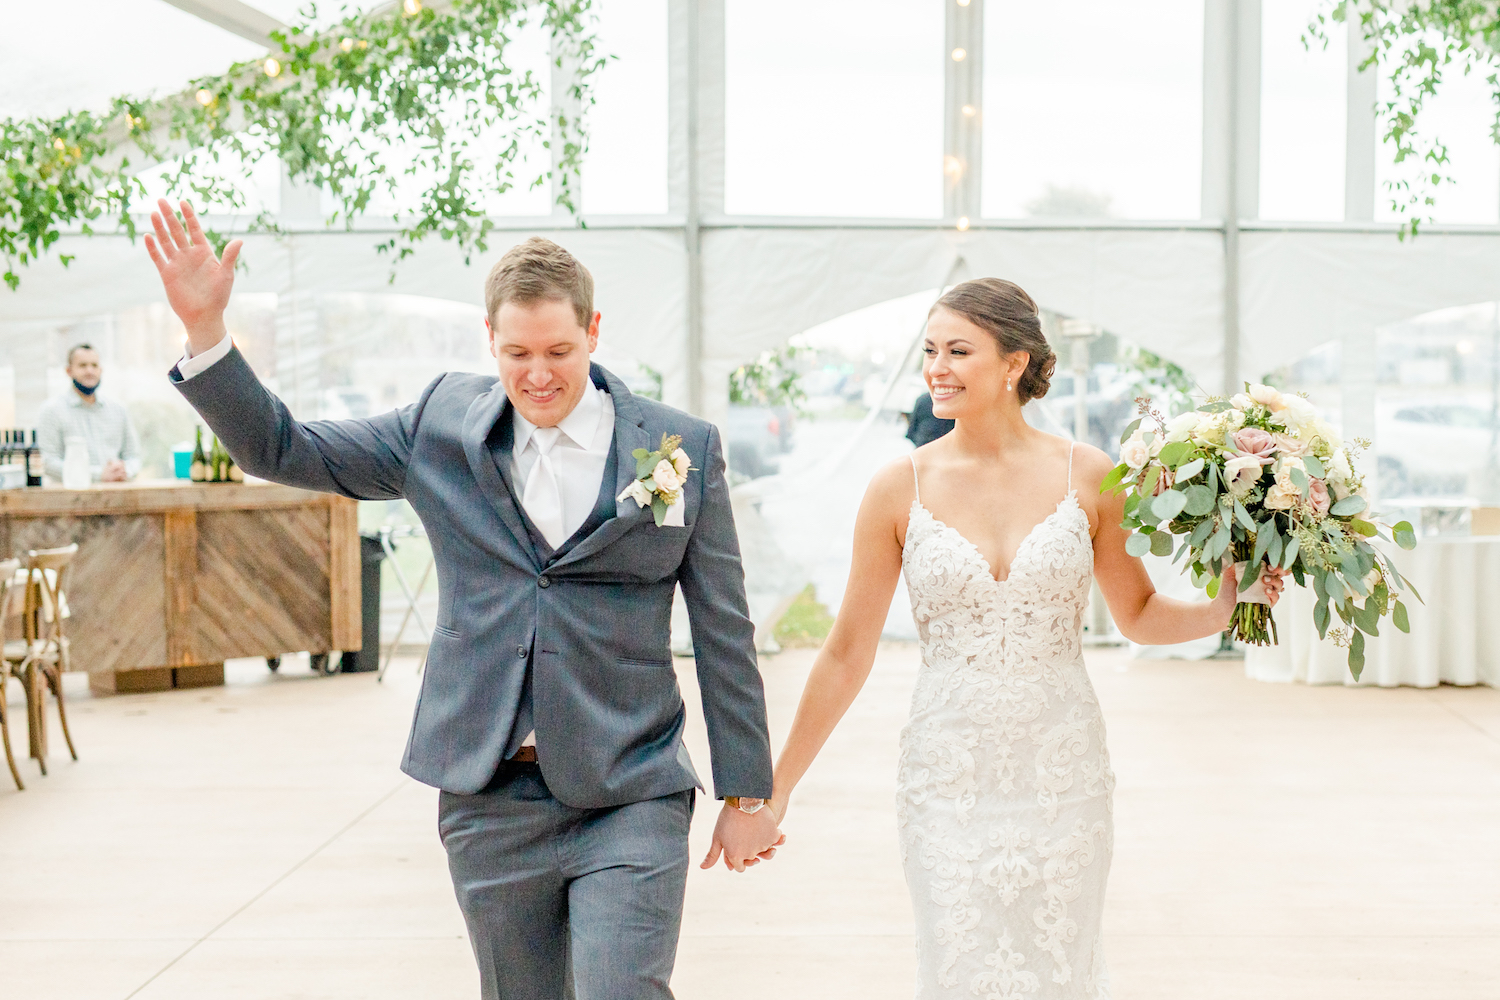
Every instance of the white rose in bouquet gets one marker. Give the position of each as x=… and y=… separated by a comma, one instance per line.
x=1134, y=452
x=1270, y=398
x=1242, y=472
x=1339, y=469
x=1241, y=401
x=1184, y=425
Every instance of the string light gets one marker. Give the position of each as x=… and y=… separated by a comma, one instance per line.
x=963, y=3
x=952, y=166
x=346, y=44
x=963, y=223
x=273, y=67
x=59, y=144
x=970, y=111
x=205, y=98
x=412, y=7
x=959, y=55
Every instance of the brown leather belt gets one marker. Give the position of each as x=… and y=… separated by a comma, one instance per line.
x=525, y=755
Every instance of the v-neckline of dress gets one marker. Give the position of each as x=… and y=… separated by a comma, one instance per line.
x=1071, y=497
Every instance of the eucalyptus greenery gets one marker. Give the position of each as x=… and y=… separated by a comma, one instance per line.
x=417, y=103
x=1417, y=44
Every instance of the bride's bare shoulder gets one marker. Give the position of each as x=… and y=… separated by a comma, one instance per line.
x=893, y=482
x=1090, y=464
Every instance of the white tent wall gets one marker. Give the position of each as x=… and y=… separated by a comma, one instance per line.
x=693, y=293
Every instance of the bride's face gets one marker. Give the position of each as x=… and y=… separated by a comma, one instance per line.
x=964, y=368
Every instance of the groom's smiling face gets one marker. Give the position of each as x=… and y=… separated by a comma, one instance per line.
x=543, y=355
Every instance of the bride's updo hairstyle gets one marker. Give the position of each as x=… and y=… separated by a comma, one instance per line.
x=1008, y=314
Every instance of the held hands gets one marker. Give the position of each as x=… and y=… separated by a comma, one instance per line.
x=197, y=283
x=744, y=839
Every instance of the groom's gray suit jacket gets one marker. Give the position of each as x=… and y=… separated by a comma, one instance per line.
x=590, y=622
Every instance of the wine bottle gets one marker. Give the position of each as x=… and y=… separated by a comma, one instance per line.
x=34, y=464
x=219, y=459
x=198, y=471
x=236, y=474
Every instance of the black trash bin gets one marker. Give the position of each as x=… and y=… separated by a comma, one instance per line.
x=370, y=557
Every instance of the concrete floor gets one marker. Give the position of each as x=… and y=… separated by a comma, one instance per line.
x=257, y=841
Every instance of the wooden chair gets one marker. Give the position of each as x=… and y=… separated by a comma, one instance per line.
x=44, y=654
x=8, y=570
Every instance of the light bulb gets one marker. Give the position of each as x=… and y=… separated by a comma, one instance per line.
x=970, y=111
x=963, y=223
x=346, y=44
x=959, y=55
x=953, y=166
x=59, y=144
x=963, y=3
x=273, y=67
x=205, y=98
x=412, y=7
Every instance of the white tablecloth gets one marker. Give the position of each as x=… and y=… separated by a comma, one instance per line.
x=1452, y=640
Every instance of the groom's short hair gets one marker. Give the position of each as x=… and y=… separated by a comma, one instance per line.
x=540, y=270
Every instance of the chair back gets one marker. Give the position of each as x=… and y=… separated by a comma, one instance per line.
x=8, y=570
x=46, y=585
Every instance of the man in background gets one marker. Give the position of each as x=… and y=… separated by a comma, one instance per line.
x=922, y=427
x=103, y=424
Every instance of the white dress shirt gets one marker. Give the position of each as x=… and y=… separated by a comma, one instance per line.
x=578, y=459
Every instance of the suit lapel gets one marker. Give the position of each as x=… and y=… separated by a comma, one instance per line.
x=630, y=434
x=494, y=477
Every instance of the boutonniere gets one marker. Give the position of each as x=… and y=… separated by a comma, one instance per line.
x=659, y=477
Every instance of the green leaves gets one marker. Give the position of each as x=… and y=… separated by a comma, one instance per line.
x=1320, y=618
x=1398, y=617
x=1112, y=480
x=1200, y=500
x=1169, y=504
x=1130, y=429
x=1138, y=544
x=1314, y=467
x=1351, y=504
x=1405, y=535
x=1174, y=453
x=1356, y=654
x=1188, y=470
x=1161, y=543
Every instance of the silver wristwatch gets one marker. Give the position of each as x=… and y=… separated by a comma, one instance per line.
x=745, y=805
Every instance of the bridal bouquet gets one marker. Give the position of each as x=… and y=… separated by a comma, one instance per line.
x=1260, y=480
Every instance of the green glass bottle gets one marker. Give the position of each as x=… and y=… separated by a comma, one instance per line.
x=198, y=472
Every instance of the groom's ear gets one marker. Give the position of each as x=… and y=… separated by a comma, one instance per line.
x=593, y=333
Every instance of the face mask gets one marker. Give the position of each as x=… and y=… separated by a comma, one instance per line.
x=87, y=390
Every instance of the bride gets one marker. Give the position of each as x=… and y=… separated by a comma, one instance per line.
x=1004, y=785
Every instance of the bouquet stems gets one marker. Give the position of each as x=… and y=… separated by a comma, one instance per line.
x=1253, y=624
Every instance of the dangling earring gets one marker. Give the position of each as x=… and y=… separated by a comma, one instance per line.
x=1007, y=385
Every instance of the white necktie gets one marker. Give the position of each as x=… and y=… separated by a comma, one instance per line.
x=542, y=498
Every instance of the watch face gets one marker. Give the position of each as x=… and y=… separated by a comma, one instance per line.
x=751, y=806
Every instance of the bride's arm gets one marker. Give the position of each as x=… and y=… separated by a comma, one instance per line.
x=1141, y=614
x=844, y=662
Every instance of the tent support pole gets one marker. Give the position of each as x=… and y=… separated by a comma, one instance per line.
x=691, y=230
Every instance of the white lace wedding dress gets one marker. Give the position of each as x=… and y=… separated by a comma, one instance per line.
x=1004, y=790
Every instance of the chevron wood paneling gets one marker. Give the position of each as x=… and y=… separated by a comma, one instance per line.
x=262, y=583
x=178, y=576
x=117, y=594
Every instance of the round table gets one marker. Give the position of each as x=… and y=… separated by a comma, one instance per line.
x=1452, y=640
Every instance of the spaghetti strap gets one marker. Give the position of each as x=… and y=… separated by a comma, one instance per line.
x=916, y=486
x=1070, y=465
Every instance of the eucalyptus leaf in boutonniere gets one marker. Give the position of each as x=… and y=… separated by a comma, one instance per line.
x=660, y=475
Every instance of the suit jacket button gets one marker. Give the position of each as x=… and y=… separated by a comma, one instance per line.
x=544, y=583
x=521, y=651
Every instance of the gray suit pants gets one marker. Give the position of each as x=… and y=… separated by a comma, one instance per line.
x=563, y=902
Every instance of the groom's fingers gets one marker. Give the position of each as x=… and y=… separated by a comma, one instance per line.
x=231, y=254
x=714, y=851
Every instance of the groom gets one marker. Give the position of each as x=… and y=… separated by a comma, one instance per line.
x=549, y=713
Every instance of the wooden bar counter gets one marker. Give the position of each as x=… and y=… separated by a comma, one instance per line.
x=172, y=578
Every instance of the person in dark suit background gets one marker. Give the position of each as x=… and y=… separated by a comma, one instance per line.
x=922, y=427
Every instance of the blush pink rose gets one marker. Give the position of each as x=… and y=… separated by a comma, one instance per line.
x=1317, y=495
x=1254, y=441
x=1287, y=444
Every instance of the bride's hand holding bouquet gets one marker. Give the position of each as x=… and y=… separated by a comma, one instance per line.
x=1260, y=482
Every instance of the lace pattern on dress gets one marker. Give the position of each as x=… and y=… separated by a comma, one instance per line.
x=1004, y=788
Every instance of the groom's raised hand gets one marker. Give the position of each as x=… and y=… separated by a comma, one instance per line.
x=196, y=281
x=744, y=839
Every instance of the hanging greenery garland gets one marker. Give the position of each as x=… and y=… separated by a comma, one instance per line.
x=1416, y=44
x=420, y=105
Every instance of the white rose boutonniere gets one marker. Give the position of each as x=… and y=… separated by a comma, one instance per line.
x=660, y=476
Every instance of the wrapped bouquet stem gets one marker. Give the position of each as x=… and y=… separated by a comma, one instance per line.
x=1261, y=481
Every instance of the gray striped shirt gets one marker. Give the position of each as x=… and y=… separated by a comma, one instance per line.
x=104, y=426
